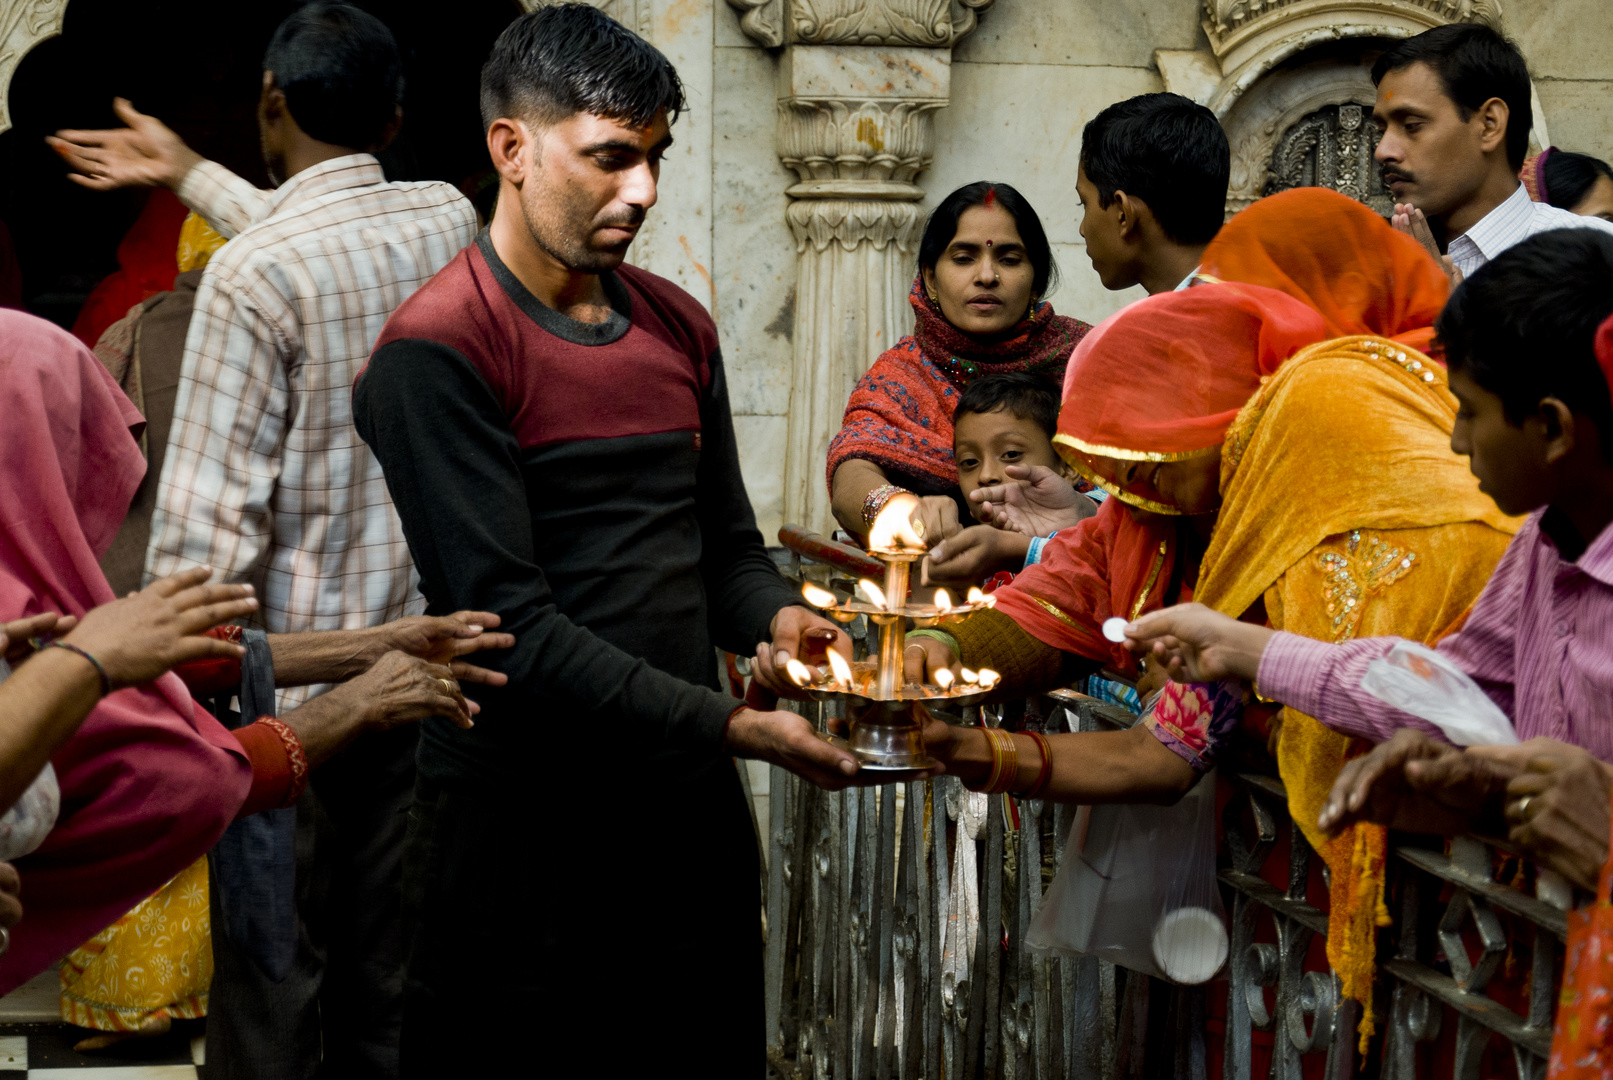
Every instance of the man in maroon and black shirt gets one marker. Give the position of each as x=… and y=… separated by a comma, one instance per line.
x=554, y=428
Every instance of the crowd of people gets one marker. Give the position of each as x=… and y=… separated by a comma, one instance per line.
x=428, y=528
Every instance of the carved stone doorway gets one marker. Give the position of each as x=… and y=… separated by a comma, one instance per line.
x=1332, y=148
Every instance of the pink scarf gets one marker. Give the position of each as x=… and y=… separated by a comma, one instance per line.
x=150, y=780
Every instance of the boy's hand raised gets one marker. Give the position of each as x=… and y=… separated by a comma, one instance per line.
x=1034, y=501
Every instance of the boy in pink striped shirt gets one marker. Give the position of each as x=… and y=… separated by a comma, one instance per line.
x=1529, y=342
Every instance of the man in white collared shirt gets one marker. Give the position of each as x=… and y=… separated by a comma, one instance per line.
x=1454, y=108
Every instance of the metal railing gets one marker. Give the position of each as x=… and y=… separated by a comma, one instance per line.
x=896, y=918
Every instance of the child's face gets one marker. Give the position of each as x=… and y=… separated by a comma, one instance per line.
x=1510, y=460
x=985, y=443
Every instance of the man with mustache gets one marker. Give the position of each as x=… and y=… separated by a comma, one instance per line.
x=554, y=427
x=1454, y=109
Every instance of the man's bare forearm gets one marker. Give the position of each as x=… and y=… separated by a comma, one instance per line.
x=326, y=656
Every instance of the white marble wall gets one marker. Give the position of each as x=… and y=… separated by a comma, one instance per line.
x=1023, y=85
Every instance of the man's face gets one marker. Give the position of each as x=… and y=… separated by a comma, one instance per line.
x=589, y=185
x=1100, y=229
x=1431, y=157
x=1509, y=459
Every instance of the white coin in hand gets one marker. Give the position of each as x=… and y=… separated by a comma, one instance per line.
x=1115, y=629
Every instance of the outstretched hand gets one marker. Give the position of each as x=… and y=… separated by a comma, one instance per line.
x=1414, y=223
x=786, y=739
x=147, y=633
x=147, y=153
x=1416, y=783
x=1193, y=643
x=1035, y=501
x=444, y=639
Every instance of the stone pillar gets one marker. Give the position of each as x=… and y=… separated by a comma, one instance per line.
x=855, y=124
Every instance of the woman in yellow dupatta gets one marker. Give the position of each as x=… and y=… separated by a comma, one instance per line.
x=153, y=966
x=1331, y=499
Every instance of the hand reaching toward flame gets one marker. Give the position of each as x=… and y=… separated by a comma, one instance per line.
x=770, y=665
x=1034, y=501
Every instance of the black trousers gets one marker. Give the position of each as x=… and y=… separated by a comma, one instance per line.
x=337, y=1015
x=567, y=933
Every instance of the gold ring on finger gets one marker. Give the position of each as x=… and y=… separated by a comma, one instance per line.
x=1523, y=805
x=448, y=685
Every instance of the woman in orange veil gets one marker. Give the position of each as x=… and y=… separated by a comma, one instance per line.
x=1336, y=504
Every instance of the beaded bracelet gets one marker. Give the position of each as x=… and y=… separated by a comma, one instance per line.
x=1045, y=775
x=1004, y=762
x=294, y=753
x=876, y=499
x=106, y=683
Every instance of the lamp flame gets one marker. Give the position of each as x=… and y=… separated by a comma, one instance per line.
x=893, y=527
x=975, y=595
x=969, y=676
x=989, y=678
x=944, y=678
x=872, y=593
x=818, y=597
x=943, y=599
x=799, y=673
x=841, y=669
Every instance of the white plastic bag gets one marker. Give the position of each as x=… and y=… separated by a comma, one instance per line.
x=25, y=826
x=1138, y=889
x=1416, y=679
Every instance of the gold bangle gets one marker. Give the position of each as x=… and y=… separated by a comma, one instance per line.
x=1004, y=761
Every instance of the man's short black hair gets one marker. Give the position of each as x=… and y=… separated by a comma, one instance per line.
x=563, y=59
x=1169, y=152
x=1028, y=397
x=943, y=226
x=340, y=71
x=1524, y=325
x=1475, y=64
x=1570, y=177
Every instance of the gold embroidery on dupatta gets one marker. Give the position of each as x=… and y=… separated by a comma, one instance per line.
x=1366, y=566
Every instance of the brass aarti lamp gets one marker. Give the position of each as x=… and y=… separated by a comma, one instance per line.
x=886, y=723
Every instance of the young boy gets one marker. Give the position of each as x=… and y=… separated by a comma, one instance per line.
x=1152, y=182
x=1000, y=420
x=1529, y=342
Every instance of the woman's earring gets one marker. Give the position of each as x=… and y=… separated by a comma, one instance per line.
x=934, y=299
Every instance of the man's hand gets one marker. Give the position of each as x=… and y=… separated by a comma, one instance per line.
x=1195, y=644
x=788, y=625
x=146, y=633
x=1411, y=221
x=1035, y=501
x=1414, y=783
x=786, y=739
x=1558, y=808
x=14, y=636
x=444, y=639
x=147, y=153
x=974, y=555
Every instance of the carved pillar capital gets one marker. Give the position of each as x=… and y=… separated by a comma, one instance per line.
x=23, y=24
x=930, y=23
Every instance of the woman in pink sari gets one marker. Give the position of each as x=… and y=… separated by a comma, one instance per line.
x=149, y=779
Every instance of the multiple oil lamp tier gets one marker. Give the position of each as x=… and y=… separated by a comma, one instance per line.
x=885, y=711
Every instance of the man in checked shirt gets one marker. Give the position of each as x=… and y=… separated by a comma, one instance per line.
x=267, y=480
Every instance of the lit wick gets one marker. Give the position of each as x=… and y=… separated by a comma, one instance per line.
x=872, y=593
x=944, y=678
x=943, y=600
x=988, y=678
x=975, y=595
x=841, y=670
x=969, y=676
x=799, y=673
x=818, y=598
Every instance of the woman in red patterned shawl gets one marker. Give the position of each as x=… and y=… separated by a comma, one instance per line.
x=984, y=266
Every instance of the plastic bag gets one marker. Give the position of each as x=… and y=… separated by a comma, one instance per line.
x=1416, y=679
x=1138, y=889
x=26, y=824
